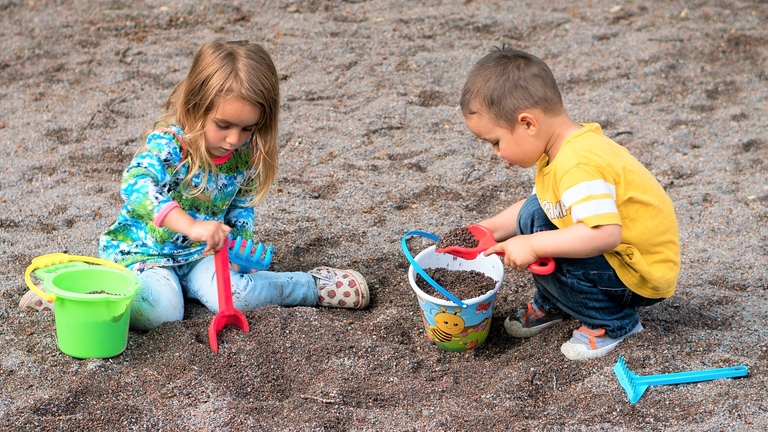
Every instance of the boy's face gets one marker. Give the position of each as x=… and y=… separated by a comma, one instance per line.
x=517, y=147
x=229, y=125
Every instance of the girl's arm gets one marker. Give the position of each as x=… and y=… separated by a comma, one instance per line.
x=144, y=186
x=211, y=232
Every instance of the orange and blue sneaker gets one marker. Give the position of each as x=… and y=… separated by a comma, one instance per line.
x=589, y=343
x=532, y=321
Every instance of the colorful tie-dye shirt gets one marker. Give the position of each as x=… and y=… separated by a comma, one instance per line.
x=151, y=187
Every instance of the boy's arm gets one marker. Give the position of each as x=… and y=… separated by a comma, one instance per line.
x=575, y=241
x=504, y=224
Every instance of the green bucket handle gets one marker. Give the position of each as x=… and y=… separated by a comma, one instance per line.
x=60, y=258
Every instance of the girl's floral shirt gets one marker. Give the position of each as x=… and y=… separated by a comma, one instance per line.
x=151, y=186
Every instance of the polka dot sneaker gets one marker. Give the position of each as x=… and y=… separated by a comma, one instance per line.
x=30, y=300
x=340, y=288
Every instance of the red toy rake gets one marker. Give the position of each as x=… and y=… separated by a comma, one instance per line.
x=227, y=313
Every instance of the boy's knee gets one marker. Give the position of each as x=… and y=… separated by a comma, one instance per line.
x=531, y=217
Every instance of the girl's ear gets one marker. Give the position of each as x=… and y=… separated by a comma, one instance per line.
x=529, y=122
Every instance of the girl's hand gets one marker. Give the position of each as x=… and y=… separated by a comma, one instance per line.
x=213, y=233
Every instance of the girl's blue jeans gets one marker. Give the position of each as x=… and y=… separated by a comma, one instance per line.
x=587, y=289
x=163, y=290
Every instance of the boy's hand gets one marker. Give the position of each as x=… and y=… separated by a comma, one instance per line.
x=518, y=253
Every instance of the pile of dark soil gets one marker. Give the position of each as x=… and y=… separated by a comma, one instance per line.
x=460, y=237
x=464, y=284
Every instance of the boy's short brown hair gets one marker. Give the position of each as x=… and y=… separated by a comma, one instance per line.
x=507, y=81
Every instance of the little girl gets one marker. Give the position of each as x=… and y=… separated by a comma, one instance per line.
x=210, y=159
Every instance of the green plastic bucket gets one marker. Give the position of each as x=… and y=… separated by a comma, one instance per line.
x=91, y=308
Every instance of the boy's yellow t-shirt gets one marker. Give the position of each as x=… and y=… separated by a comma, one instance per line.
x=595, y=181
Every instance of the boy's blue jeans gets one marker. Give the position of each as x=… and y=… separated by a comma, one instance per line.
x=163, y=289
x=587, y=289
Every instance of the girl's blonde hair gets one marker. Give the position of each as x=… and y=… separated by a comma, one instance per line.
x=223, y=69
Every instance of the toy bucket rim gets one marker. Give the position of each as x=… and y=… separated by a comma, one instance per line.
x=442, y=302
x=69, y=295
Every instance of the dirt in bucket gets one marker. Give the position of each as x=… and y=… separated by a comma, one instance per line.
x=102, y=292
x=464, y=284
x=457, y=237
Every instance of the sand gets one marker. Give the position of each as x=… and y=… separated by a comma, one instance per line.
x=373, y=145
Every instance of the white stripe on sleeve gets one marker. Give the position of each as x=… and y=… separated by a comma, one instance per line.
x=592, y=208
x=588, y=188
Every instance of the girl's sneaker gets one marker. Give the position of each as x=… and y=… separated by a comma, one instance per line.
x=340, y=288
x=587, y=343
x=532, y=321
x=30, y=300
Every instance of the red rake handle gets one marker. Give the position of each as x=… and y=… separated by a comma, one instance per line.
x=227, y=314
x=223, y=280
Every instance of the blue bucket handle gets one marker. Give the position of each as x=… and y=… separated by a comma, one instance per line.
x=421, y=271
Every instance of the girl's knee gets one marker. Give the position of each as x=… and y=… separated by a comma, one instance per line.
x=159, y=300
x=149, y=312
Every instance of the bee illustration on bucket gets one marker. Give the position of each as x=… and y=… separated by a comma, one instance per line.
x=447, y=325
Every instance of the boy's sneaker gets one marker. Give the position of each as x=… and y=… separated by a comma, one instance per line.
x=531, y=322
x=340, y=288
x=587, y=343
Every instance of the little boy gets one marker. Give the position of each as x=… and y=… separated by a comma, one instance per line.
x=596, y=210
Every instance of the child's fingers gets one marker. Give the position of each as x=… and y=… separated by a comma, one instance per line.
x=493, y=249
x=509, y=263
x=219, y=243
x=220, y=236
x=214, y=244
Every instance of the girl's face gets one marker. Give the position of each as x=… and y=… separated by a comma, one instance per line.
x=229, y=125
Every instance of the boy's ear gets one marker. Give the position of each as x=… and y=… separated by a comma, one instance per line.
x=528, y=120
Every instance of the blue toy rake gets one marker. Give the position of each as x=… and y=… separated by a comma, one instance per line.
x=635, y=385
x=247, y=257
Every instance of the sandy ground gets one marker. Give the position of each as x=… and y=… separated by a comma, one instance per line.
x=372, y=146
